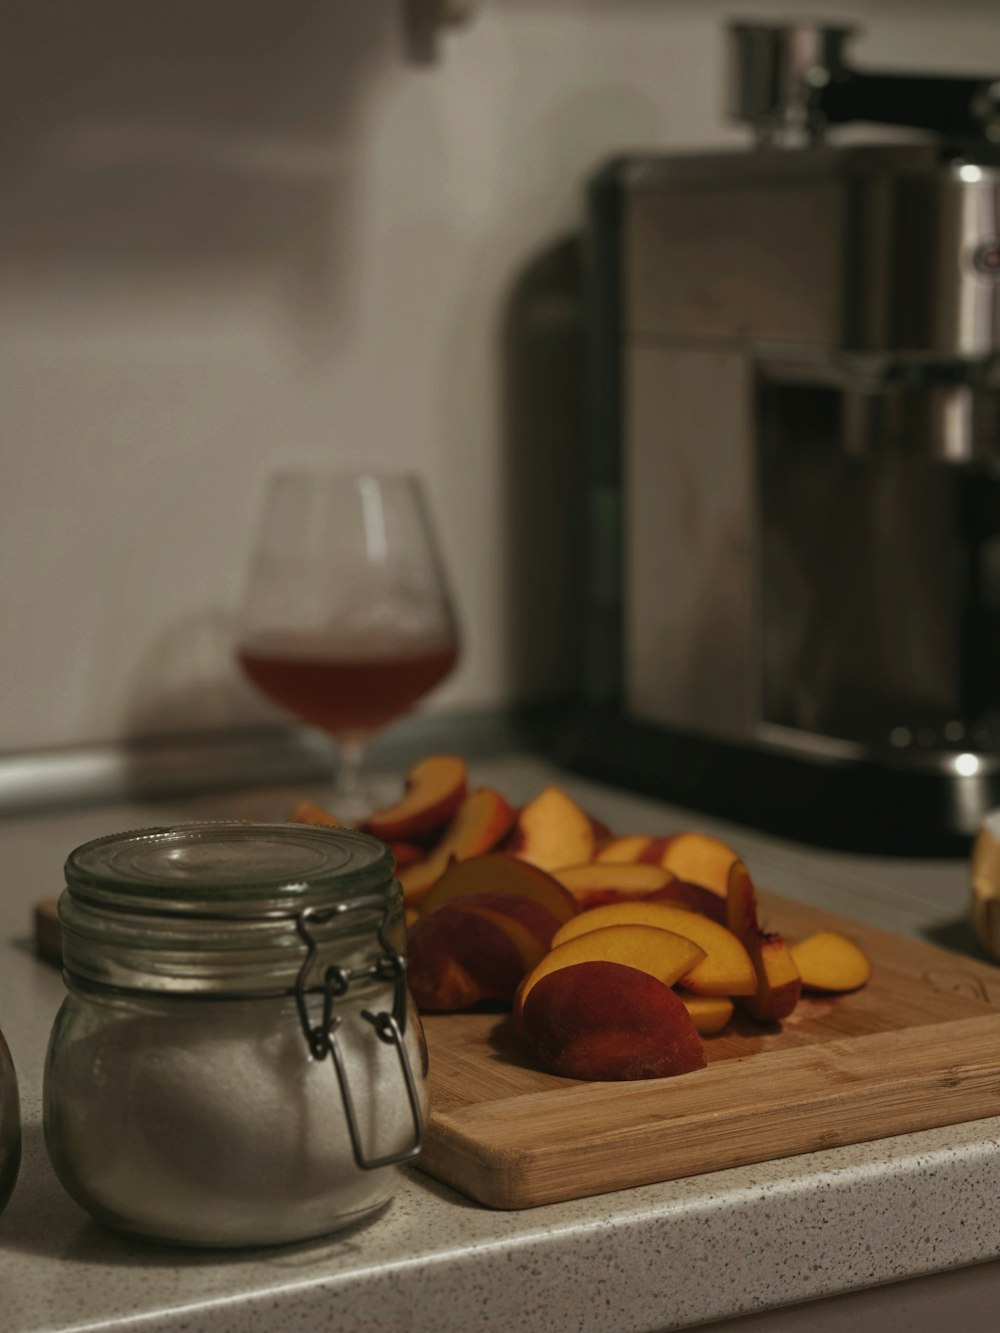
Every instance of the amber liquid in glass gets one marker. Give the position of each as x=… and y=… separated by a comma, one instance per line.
x=347, y=691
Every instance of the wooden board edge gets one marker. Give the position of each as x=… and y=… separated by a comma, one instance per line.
x=799, y=1101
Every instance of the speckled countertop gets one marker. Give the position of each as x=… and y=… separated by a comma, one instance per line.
x=661, y=1257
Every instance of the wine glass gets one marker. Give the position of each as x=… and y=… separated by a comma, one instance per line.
x=347, y=619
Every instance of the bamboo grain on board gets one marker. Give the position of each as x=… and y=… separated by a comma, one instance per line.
x=588, y=1139
x=918, y=1048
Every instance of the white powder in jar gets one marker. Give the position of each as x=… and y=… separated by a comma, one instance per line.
x=208, y=1122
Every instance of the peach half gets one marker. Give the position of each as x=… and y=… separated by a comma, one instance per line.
x=479, y=823
x=724, y=970
x=829, y=961
x=435, y=788
x=779, y=983
x=598, y=1019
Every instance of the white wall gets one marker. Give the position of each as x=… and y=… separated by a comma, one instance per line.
x=242, y=233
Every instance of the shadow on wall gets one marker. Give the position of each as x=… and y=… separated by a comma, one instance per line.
x=142, y=139
x=542, y=422
x=543, y=395
x=188, y=679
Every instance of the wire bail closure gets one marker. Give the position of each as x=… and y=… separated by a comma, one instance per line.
x=390, y=1028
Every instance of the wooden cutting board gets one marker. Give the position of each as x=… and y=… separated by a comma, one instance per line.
x=918, y=1048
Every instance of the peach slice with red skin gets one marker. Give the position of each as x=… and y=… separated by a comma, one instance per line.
x=495, y=873
x=695, y=897
x=611, y=881
x=725, y=968
x=440, y=985
x=710, y=1013
x=455, y=961
x=405, y=853
x=553, y=831
x=529, y=913
x=830, y=962
x=530, y=946
x=662, y=954
x=309, y=812
x=435, y=788
x=601, y=882
x=597, y=1019
x=700, y=859
x=623, y=851
x=779, y=983
x=479, y=823
x=458, y=957
x=655, y=851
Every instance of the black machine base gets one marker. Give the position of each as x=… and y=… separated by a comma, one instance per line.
x=861, y=807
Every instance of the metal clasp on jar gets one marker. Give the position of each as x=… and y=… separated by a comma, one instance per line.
x=389, y=1027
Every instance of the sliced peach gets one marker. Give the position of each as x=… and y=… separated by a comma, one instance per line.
x=308, y=812
x=724, y=970
x=530, y=948
x=435, y=788
x=498, y=874
x=710, y=1013
x=604, y=1020
x=655, y=851
x=552, y=831
x=405, y=853
x=623, y=851
x=741, y=902
x=531, y=915
x=663, y=954
x=440, y=985
x=828, y=961
x=700, y=859
x=599, y=882
x=456, y=959
x=479, y=823
x=779, y=984
x=695, y=897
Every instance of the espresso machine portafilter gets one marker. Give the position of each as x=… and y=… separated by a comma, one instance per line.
x=793, y=482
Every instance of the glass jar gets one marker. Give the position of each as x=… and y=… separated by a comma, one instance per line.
x=237, y=1061
x=10, y=1125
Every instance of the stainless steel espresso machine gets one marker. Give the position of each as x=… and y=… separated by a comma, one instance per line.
x=793, y=493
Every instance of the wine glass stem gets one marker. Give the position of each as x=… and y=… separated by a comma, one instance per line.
x=350, y=793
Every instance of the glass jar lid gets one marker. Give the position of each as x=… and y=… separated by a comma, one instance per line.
x=227, y=869
x=219, y=907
